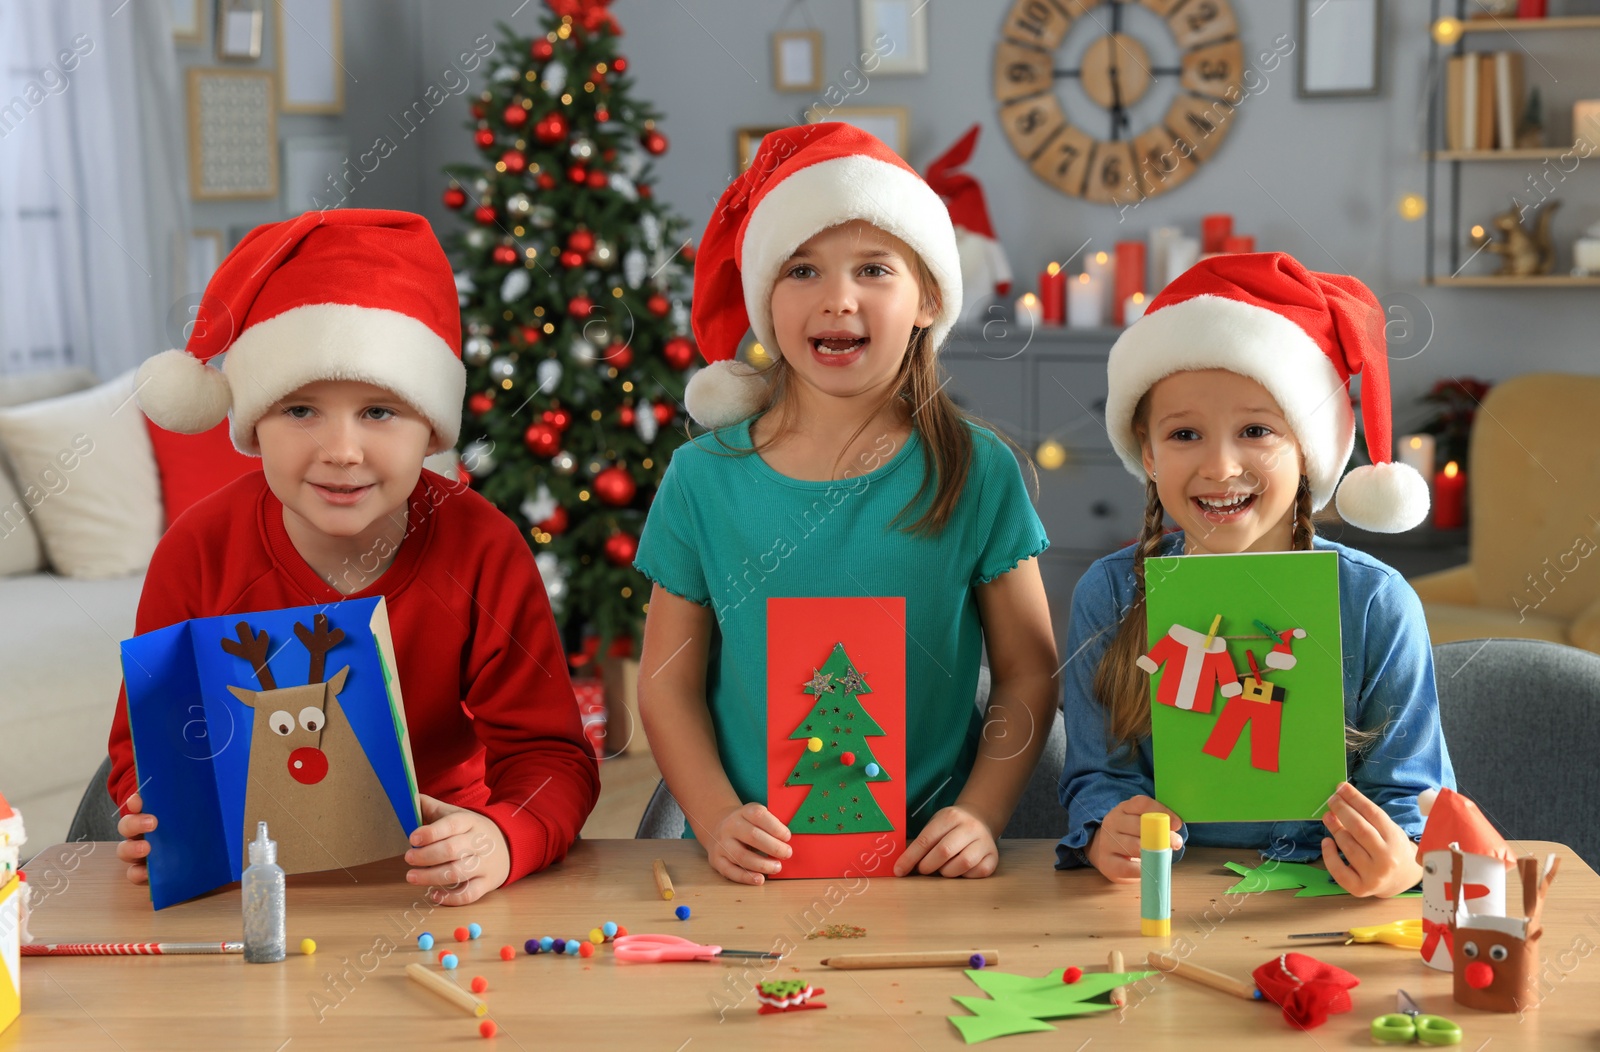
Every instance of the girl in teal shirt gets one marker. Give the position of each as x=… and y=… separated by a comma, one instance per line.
x=843, y=470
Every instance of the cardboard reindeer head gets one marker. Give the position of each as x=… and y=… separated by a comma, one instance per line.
x=305, y=759
x=1497, y=958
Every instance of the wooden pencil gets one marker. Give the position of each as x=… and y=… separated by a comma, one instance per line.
x=1119, y=994
x=1205, y=977
x=924, y=959
x=663, y=882
x=446, y=989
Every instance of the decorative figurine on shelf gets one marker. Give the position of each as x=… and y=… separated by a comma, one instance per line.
x=1456, y=827
x=1497, y=958
x=1530, y=131
x=1524, y=253
x=985, y=271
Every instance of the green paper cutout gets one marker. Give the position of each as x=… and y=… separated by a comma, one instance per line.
x=1017, y=1003
x=840, y=800
x=1313, y=881
x=1284, y=589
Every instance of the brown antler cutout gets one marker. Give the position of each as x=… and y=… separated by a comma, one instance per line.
x=253, y=648
x=319, y=641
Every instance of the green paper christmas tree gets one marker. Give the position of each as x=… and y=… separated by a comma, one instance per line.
x=837, y=756
x=1018, y=1004
x=1273, y=875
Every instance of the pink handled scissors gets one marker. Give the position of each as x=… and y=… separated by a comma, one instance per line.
x=655, y=948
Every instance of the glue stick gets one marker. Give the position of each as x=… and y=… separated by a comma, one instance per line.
x=1155, y=874
x=263, y=894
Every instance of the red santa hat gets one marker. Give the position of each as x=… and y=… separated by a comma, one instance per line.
x=1455, y=822
x=346, y=294
x=980, y=249
x=1299, y=334
x=1282, y=654
x=803, y=180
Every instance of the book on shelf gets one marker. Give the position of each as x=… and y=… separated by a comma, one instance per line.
x=1484, y=97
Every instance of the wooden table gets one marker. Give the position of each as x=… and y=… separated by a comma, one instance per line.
x=353, y=994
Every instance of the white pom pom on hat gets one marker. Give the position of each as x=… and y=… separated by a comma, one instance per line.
x=1301, y=335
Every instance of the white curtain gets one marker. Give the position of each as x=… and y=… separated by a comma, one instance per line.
x=93, y=195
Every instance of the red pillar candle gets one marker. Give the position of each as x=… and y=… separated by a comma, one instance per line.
x=1053, y=295
x=1449, y=498
x=1214, y=231
x=1130, y=277
x=1239, y=243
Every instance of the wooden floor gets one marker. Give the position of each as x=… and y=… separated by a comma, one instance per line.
x=626, y=783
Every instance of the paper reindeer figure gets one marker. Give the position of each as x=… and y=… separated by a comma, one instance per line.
x=1497, y=958
x=305, y=759
x=219, y=745
x=1456, y=827
x=1259, y=707
x=985, y=271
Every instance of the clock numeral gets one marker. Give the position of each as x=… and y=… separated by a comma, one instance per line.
x=1067, y=156
x=1020, y=73
x=1202, y=22
x=1030, y=120
x=1203, y=13
x=1039, y=23
x=1214, y=70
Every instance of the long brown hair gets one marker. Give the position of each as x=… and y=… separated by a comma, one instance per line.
x=1120, y=686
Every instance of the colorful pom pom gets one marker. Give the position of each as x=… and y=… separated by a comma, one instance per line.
x=474, y=930
x=556, y=945
x=479, y=984
x=487, y=1028
x=596, y=935
x=509, y=954
x=462, y=934
x=621, y=931
x=586, y=949
x=425, y=941
x=682, y=913
x=450, y=961
x=1072, y=975
x=609, y=929
x=815, y=745
x=977, y=961
x=847, y=758
x=442, y=955
x=308, y=946
x=547, y=944
x=873, y=770
x=572, y=947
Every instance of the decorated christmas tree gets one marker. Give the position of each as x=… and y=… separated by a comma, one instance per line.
x=574, y=285
x=838, y=761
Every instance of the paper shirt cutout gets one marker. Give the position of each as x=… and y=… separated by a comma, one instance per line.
x=1017, y=1004
x=1296, y=755
x=235, y=720
x=1307, y=880
x=836, y=671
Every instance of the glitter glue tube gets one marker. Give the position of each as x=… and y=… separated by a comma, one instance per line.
x=262, y=891
x=1155, y=874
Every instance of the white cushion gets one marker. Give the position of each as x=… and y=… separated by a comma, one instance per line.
x=20, y=548
x=84, y=463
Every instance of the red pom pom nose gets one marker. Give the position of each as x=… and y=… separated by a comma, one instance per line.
x=308, y=766
x=1479, y=975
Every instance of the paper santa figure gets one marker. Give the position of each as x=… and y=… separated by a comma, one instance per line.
x=1194, y=670
x=1454, y=822
x=984, y=268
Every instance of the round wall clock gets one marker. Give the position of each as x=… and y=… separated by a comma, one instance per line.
x=1124, y=164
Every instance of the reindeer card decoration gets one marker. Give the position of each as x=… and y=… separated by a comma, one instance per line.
x=324, y=759
x=1497, y=958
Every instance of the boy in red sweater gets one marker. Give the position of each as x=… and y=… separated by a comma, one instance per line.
x=343, y=371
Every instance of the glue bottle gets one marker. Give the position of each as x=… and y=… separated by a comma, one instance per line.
x=263, y=893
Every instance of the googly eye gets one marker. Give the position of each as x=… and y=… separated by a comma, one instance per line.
x=281, y=722
x=311, y=718
x=1430, y=868
x=1498, y=953
x=1469, y=949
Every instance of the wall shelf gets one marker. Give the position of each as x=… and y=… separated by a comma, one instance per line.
x=1518, y=25
x=1538, y=153
x=1486, y=281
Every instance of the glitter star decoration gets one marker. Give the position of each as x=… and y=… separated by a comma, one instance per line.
x=820, y=682
x=852, y=683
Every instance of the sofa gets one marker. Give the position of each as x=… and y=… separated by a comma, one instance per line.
x=87, y=486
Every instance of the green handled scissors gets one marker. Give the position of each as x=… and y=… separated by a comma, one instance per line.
x=1408, y=1024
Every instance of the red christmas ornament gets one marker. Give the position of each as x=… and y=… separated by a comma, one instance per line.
x=626, y=416
x=515, y=116
x=478, y=111
x=678, y=352
x=578, y=173
x=455, y=197
x=687, y=252
x=645, y=191
x=619, y=355
x=551, y=128
x=483, y=137
x=598, y=181
x=530, y=334
x=485, y=214
x=542, y=50
x=580, y=306
x=620, y=548
x=602, y=115
x=514, y=161
x=547, y=181
x=543, y=440
x=557, y=522
x=505, y=255
x=615, y=486
x=663, y=413
x=658, y=305
x=481, y=403
x=581, y=241
x=571, y=260
x=560, y=419
x=620, y=64
x=655, y=143
x=609, y=155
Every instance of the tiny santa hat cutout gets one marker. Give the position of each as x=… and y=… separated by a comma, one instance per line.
x=345, y=294
x=1299, y=334
x=802, y=181
x=1282, y=654
x=1455, y=822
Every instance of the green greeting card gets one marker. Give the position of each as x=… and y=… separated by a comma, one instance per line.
x=1246, y=684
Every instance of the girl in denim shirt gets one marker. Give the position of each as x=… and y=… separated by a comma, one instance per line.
x=1230, y=398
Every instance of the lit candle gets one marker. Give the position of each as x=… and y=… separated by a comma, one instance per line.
x=1130, y=277
x=1214, y=230
x=1182, y=253
x=1449, y=498
x=1238, y=243
x=1133, y=308
x=1416, y=451
x=1026, y=312
x=1085, y=302
x=1161, y=239
x=1053, y=295
x=1102, y=271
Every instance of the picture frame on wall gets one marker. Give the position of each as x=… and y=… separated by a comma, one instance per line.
x=188, y=23
x=1341, y=48
x=233, y=135
x=310, y=46
x=239, y=27
x=748, y=140
x=897, y=30
x=890, y=123
x=797, y=60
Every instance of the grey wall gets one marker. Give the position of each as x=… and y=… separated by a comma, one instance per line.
x=1319, y=179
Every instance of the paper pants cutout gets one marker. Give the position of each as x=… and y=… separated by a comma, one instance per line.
x=1265, y=720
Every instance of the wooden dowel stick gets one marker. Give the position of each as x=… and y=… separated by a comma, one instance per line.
x=928, y=959
x=1119, y=994
x=1205, y=977
x=663, y=882
x=447, y=990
